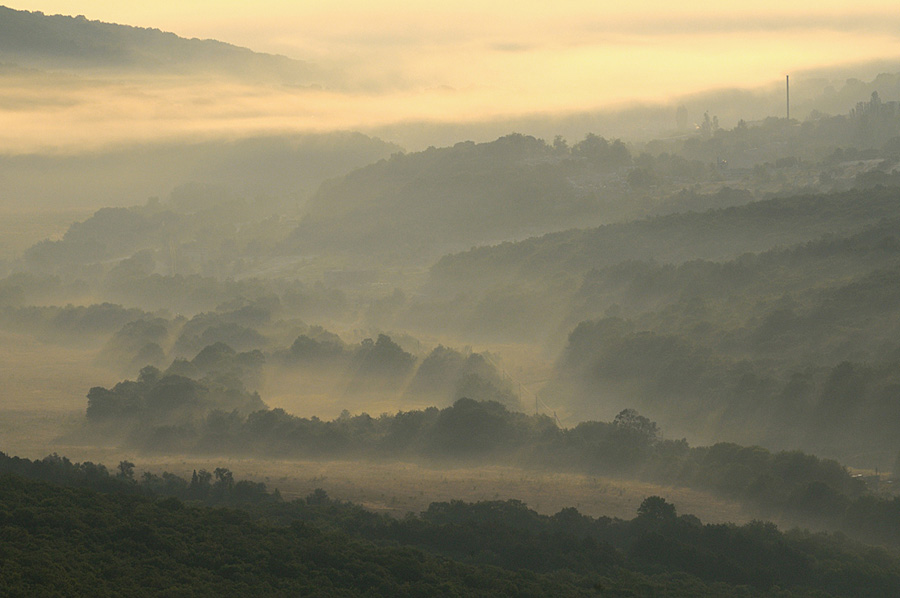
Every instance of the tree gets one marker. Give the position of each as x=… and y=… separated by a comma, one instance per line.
x=318, y=497
x=383, y=357
x=224, y=478
x=126, y=470
x=560, y=145
x=593, y=148
x=200, y=484
x=631, y=421
x=655, y=508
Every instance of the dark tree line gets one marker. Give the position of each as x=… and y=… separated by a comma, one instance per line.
x=80, y=530
x=785, y=484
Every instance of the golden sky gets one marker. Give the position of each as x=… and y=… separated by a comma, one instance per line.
x=471, y=60
x=562, y=50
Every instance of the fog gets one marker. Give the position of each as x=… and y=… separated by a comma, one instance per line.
x=577, y=49
x=417, y=73
x=521, y=250
x=71, y=112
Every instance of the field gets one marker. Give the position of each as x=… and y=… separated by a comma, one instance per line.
x=46, y=376
x=399, y=488
x=44, y=388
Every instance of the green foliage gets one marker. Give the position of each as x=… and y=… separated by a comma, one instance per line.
x=71, y=322
x=75, y=540
x=794, y=348
x=417, y=205
x=546, y=285
x=158, y=399
x=446, y=375
x=786, y=483
x=382, y=358
x=207, y=329
x=80, y=543
x=791, y=348
x=656, y=509
x=317, y=347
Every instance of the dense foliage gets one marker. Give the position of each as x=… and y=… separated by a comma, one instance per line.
x=738, y=284
x=156, y=399
x=100, y=534
x=787, y=484
x=422, y=204
x=791, y=347
x=73, y=542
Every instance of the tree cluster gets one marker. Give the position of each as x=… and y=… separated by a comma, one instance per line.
x=102, y=535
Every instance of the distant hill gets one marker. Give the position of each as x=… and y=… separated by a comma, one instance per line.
x=422, y=205
x=789, y=349
x=774, y=323
x=717, y=234
x=36, y=40
x=522, y=291
x=289, y=166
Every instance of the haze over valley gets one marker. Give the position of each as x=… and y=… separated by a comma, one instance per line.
x=460, y=301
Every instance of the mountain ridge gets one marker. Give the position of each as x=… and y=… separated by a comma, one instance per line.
x=37, y=40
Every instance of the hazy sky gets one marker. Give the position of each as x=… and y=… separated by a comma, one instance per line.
x=564, y=49
x=467, y=59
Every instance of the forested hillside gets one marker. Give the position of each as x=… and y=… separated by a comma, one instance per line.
x=175, y=415
x=699, y=321
x=423, y=204
x=101, y=535
x=277, y=172
x=716, y=234
x=796, y=348
x=548, y=279
x=33, y=39
x=231, y=264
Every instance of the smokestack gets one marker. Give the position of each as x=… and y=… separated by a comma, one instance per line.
x=787, y=85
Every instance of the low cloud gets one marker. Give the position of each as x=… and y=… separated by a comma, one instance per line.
x=391, y=66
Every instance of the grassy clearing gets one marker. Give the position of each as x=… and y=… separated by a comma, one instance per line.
x=44, y=388
x=45, y=376
x=398, y=488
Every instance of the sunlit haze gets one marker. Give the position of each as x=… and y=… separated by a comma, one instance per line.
x=569, y=298
x=409, y=61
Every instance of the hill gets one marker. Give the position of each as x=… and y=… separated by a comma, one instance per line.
x=285, y=166
x=793, y=348
x=522, y=290
x=36, y=40
x=421, y=205
x=771, y=323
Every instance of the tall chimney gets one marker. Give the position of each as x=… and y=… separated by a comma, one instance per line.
x=787, y=85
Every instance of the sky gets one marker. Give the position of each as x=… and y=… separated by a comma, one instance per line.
x=480, y=60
